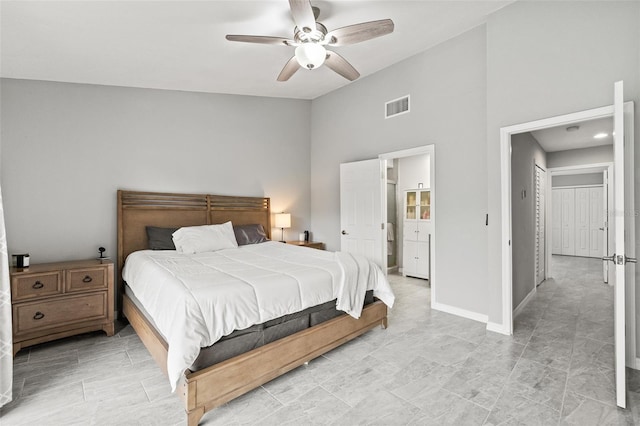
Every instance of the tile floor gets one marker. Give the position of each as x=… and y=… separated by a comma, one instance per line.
x=428, y=367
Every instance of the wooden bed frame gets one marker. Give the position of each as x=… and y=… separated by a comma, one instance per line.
x=206, y=389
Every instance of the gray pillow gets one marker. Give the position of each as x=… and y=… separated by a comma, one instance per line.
x=250, y=234
x=160, y=238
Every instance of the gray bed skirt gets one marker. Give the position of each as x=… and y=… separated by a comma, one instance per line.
x=241, y=341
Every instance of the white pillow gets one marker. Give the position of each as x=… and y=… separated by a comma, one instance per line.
x=198, y=239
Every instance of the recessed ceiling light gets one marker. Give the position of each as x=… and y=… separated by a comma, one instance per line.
x=600, y=136
x=573, y=128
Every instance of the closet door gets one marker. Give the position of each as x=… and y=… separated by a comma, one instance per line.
x=556, y=221
x=582, y=221
x=568, y=222
x=596, y=222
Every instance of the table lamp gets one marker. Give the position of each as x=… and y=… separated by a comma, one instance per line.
x=283, y=220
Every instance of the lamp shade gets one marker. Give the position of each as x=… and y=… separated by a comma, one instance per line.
x=283, y=220
x=310, y=55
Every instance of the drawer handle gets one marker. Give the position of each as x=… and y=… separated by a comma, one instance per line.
x=87, y=279
x=37, y=285
x=38, y=316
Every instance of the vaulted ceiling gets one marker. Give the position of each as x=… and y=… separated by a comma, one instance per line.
x=180, y=45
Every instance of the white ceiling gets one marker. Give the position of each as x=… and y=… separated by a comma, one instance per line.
x=180, y=45
x=559, y=139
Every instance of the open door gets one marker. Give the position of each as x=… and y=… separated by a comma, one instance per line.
x=361, y=217
x=622, y=271
x=605, y=226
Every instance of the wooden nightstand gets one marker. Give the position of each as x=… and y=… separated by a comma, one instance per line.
x=312, y=244
x=55, y=300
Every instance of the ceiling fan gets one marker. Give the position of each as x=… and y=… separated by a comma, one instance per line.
x=311, y=39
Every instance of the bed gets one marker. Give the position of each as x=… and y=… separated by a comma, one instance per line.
x=208, y=386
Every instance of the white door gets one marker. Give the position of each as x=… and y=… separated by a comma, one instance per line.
x=361, y=225
x=567, y=223
x=605, y=218
x=541, y=187
x=556, y=221
x=582, y=221
x=623, y=245
x=596, y=222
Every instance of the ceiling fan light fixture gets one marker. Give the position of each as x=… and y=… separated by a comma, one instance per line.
x=310, y=38
x=311, y=55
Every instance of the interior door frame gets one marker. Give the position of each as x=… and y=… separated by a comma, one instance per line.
x=575, y=170
x=506, y=249
x=422, y=150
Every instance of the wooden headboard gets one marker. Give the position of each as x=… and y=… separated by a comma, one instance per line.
x=137, y=210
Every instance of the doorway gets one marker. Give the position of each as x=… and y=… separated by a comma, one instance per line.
x=623, y=270
x=414, y=174
x=366, y=183
x=582, y=232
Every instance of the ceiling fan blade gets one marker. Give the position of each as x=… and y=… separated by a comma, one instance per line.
x=341, y=66
x=356, y=33
x=261, y=39
x=303, y=15
x=289, y=69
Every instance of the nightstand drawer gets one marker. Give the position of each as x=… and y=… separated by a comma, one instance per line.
x=33, y=316
x=85, y=279
x=36, y=285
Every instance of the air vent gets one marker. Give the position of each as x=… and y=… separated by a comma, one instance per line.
x=396, y=107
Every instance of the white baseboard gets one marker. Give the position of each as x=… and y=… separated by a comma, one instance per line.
x=497, y=328
x=524, y=302
x=637, y=366
x=460, y=312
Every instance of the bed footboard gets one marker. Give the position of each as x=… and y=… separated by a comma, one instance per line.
x=206, y=389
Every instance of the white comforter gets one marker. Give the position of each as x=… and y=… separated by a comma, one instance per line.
x=195, y=299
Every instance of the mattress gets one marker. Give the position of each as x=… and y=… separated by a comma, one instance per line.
x=196, y=300
x=241, y=341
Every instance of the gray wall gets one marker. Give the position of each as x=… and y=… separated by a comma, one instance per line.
x=541, y=63
x=576, y=157
x=447, y=88
x=526, y=152
x=67, y=148
x=577, y=180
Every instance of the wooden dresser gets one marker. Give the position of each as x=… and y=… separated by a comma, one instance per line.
x=55, y=300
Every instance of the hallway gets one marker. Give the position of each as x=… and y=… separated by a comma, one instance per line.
x=569, y=329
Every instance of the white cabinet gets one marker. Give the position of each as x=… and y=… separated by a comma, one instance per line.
x=417, y=226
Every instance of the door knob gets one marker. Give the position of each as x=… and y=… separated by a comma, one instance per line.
x=620, y=259
x=344, y=232
x=602, y=229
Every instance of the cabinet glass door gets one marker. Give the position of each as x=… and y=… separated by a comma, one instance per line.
x=411, y=204
x=425, y=205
